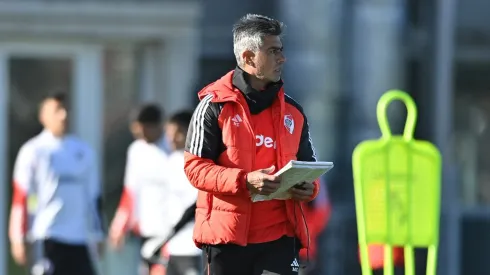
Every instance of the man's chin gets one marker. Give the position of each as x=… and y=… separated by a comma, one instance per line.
x=275, y=79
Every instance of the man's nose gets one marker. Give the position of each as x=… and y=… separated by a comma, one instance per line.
x=63, y=115
x=281, y=58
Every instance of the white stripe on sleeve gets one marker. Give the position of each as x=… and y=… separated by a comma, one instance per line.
x=198, y=126
x=311, y=143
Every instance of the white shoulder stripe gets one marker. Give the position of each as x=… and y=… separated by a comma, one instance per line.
x=198, y=126
x=311, y=142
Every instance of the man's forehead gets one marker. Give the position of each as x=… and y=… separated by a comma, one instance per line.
x=172, y=126
x=272, y=41
x=51, y=103
x=48, y=103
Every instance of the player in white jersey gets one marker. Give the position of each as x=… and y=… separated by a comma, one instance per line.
x=143, y=206
x=56, y=174
x=185, y=257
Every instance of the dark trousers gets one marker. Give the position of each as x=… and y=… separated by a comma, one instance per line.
x=276, y=257
x=67, y=259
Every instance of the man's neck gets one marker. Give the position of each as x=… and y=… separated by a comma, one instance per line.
x=56, y=134
x=256, y=83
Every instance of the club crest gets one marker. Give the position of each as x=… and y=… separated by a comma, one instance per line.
x=289, y=123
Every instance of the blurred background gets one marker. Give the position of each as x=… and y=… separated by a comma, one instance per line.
x=342, y=55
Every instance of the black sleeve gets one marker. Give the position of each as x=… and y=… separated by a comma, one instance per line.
x=204, y=137
x=187, y=217
x=306, y=151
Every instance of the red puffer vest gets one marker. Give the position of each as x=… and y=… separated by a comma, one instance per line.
x=224, y=204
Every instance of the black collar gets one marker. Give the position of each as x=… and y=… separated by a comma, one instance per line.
x=257, y=100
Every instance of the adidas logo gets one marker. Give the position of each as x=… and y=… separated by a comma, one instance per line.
x=236, y=120
x=295, y=265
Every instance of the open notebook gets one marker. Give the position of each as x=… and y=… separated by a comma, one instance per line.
x=293, y=173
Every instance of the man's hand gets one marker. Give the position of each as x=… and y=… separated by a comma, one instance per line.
x=18, y=251
x=262, y=182
x=116, y=239
x=302, y=191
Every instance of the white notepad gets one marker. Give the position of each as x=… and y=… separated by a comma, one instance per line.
x=293, y=173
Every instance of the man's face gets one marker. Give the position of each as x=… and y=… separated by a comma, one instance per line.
x=175, y=136
x=54, y=116
x=150, y=132
x=270, y=59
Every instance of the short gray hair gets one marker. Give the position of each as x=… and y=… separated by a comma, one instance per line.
x=249, y=33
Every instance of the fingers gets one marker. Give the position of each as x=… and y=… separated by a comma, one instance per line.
x=18, y=253
x=304, y=186
x=120, y=242
x=20, y=260
x=116, y=242
x=300, y=197
x=268, y=170
x=269, y=188
x=309, y=185
x=272, y=178
x=301, y=194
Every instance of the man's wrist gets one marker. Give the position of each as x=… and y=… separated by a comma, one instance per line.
x=243, y=181
x=19, y=240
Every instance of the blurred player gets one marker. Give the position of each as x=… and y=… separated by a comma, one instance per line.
x=317, y=213
x=56, y=174
x=376, y=257
x=144, y=203
x=185, y=257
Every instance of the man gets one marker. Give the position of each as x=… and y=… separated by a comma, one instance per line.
x=244, y=129
x=144, y=207
x=184, y=255
x=56, y=174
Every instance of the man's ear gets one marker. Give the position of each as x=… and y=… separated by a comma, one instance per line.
x=248, y=58
x=135, y=129
x=181, y=137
